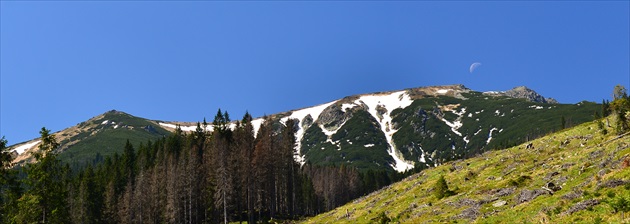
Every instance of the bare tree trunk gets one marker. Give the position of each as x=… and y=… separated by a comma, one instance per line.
x=224, y=210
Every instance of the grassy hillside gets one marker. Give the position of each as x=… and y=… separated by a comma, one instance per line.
x=585, y=171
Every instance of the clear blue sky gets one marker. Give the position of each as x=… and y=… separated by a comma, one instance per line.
x=65, y=62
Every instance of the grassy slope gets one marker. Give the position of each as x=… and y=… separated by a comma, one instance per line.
x=412, y=200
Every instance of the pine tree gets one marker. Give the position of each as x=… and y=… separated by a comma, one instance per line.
x=45, y=199
x=10, y=189
x=621, y=105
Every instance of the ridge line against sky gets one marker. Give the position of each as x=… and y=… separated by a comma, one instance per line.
x=62, y=63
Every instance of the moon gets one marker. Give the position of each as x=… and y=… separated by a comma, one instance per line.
x=473, y=67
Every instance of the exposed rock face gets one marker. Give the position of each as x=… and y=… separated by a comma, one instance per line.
x=333, y=117
x=523, y=92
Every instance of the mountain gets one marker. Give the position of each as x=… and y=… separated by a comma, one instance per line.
x=577, y=175
x=397, y=130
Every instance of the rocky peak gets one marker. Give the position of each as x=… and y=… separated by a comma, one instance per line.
x=523, y=92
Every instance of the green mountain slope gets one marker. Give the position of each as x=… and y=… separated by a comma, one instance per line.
x=101, y=136
x=585, y=174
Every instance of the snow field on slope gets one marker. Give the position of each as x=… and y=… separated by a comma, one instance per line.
x=391, y=102
x=455, y=125
x=300, y=115
x=20, y=149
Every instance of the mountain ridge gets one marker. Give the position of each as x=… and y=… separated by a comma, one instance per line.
x=331, y=126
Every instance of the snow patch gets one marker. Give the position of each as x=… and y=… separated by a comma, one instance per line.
x=442, y=91
x=497, y=112
x=490, y=135
x=466, y=140
x=20, y=149
x=391, y=102
x=256, y=123
x=455, y=125
x=368, y=145
x=105, y=122
x=346, y=106
x=422, y=159
x=168, y=125
x=536, y=107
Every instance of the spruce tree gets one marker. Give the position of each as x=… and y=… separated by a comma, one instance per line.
x=441, y=188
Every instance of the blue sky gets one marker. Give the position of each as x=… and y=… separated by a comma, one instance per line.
x=62, y=63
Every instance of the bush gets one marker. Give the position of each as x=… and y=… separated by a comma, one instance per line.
x=382, y=218
x=520, y=181
x=611, y=194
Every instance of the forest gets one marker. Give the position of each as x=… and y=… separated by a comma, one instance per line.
x=219, y=176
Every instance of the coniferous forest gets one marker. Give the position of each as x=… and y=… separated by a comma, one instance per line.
x=218, y=176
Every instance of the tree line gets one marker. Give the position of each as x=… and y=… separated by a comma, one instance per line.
x=219, y=176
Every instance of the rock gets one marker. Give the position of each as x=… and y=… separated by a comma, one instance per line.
x=561, y=180
x=605, y=162
x=572, y=195
x=612, y=183
x=567, y=165
x=523, y=92
x=581, y=206
x=602, y=172
x=499, y=203
x=307, y=122
x=504, y=192
x=550, y=175
x=528, y=195
x=332, y=117
x=595, y=154
x=466, y=202
x=553, y=187
x=469, y=213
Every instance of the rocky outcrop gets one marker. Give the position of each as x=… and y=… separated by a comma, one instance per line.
x=523, y=92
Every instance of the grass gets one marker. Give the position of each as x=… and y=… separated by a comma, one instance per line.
x=583, y=166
